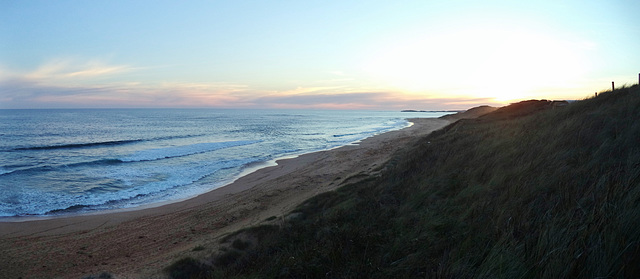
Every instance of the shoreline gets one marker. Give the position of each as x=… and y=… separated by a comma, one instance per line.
x=140, y=242
x=248, y=170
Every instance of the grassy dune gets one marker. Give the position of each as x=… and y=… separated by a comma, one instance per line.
x=526, y=191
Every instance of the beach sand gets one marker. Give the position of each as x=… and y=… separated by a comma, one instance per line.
x=140, y=243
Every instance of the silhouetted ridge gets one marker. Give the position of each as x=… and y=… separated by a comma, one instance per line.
x=470, y=113
x=522, y=109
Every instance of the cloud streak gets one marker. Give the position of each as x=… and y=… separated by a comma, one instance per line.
x=23, y=93
x=59, y=71
x=72, y=84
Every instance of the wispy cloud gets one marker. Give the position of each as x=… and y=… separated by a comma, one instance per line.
x=66, y=83
x=25, y=93
x=368, y=100
x=69, y=70
x=28, y=93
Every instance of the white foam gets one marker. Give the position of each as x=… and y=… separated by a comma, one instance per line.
x=4, y=171
x=184, y=150
x=178, y=183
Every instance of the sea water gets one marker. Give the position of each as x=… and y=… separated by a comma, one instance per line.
x=75, y=161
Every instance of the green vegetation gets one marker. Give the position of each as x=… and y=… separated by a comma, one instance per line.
x=527, y=191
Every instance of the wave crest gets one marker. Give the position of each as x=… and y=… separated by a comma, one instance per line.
x=184, y=150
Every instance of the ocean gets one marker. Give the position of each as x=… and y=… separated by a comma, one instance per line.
x=71, y=161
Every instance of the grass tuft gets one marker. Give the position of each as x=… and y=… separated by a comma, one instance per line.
x=198, y=248
x=188, y=268
x=240, y=244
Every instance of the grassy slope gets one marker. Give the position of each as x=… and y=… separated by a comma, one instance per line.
x=469, y=114
x=554, y=193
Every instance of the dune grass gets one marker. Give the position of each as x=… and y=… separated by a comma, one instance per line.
x=526, y=191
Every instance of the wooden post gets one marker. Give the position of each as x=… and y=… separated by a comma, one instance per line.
x=613, y=87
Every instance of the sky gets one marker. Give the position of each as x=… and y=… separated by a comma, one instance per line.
x=378, y=55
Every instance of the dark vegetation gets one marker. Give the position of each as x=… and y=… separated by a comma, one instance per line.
x=103, y=275
x=470, y=113
x=530, y=190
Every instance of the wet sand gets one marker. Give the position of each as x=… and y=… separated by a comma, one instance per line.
x=140, y=243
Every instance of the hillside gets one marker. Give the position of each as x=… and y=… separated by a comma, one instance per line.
x=529, y=190
x=470, y=113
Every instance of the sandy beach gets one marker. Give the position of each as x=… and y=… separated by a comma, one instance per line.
x=140, y=243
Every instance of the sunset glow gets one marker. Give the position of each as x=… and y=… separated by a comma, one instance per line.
x=334, y=55
x=503, y=65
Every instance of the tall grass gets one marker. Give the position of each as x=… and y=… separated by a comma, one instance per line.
x=550, y=193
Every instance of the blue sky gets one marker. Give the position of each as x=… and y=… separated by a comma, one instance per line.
x=312, y=54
